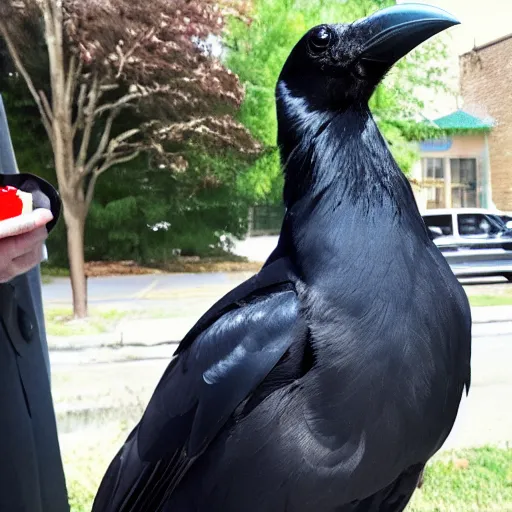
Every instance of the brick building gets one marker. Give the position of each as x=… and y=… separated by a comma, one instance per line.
x=486, y=89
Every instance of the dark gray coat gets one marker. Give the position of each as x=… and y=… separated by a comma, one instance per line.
x=31, y=472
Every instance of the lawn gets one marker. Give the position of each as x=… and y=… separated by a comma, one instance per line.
x=476, y=480
x=498, y=294
x=490, y=300
x=60, y=322
x=473, y=480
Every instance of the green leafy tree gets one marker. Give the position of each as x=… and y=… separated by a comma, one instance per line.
x=257, y=52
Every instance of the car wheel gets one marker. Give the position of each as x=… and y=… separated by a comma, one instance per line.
x=508, y=276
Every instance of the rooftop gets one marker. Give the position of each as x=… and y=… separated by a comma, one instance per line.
x=461, y=120
x=451, y=211
x=490, y=43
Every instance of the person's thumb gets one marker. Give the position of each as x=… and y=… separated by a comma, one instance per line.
x=41, y=217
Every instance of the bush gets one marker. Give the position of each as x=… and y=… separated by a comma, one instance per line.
x=150, y=216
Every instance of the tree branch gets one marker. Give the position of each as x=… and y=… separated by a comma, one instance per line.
x=90, y=190
x=46, y=105
x=125, y=135
x=123, y=57
x=70, y=79
x=109, y=87
x=120, y=103
x=109, y=162
x=127, y=98
x=118, y=160
x=47, y=122
x=80, y=109
x=74, y=73
x=106, y=147
x=102, y=146
x=89, y=117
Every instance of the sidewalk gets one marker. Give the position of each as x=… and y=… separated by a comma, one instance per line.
x=487, y=314
x=164, y=331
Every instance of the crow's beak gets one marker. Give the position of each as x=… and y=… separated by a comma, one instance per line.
x=395, y=31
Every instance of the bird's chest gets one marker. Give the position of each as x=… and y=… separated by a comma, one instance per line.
x=384, y=361
x=384, y=325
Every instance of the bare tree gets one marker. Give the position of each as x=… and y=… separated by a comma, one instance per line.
x=107, y=58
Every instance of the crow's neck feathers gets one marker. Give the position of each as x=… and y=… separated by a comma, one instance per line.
x=344, y=193
x=341, y=152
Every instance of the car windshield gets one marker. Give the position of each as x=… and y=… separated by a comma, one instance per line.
x=505, y=219
x=498, y=221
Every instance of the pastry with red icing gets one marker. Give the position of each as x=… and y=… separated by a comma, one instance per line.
x=14, y=202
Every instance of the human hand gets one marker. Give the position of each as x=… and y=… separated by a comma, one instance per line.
x=21, y=243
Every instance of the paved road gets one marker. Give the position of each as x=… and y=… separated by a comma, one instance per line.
x=486, y=417
x=144, y=291
x=156, y=289
x=89, y=441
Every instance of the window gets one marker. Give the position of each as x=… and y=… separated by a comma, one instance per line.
x=433, y=168
x=435, y=197
x=464, y=182
x=476, y=224
x=439, y=223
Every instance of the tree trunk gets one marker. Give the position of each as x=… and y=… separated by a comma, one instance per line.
x=75, y=228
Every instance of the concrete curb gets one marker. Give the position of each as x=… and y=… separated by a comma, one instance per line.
x=129, y=333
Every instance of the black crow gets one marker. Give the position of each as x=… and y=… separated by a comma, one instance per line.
x=325, y=382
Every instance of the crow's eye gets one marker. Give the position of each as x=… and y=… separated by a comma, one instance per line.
x=320, y=39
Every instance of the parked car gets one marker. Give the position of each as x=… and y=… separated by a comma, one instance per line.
x=474, y=241
x=507, y=218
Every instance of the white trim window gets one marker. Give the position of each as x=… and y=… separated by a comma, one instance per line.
x=433, y=168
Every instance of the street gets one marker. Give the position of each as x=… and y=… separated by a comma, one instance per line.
x=485, y=416
x=143, y=291
x=155, y=290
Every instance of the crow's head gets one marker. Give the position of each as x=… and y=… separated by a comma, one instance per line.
x=335, y=66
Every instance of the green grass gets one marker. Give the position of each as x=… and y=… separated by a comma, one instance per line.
x=86, y=457
x=485, y=485
x=490, y=300
x=49, y=271
x=60, y=322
